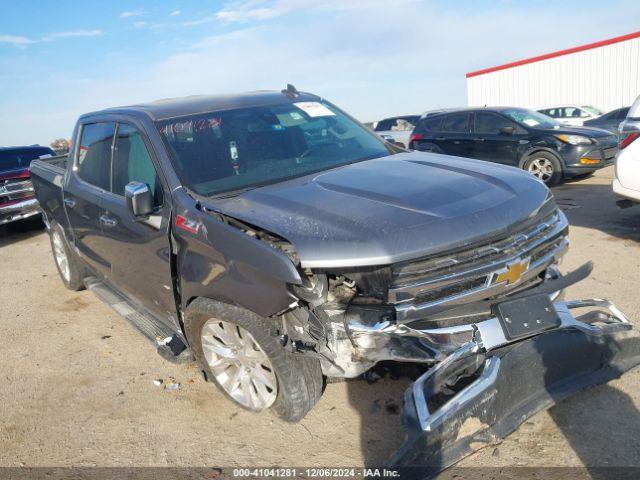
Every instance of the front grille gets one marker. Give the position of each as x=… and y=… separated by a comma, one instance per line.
x=432, y=285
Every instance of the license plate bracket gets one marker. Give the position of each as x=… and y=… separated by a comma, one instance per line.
x=527, y=316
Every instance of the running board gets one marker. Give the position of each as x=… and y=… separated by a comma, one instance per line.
x=169, y=343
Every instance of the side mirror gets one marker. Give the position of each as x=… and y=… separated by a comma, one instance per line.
x=139, y=199
x=507, y=130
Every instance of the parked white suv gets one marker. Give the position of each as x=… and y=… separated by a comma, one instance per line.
x=572, y=114
x=626, y=182
x=397, y=129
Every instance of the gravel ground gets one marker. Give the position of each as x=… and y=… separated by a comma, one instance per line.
x=78, y=390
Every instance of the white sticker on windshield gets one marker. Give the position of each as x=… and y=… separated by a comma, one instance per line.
x=531, y=122
x=314, y=109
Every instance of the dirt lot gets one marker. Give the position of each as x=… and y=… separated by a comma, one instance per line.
x=77, y=380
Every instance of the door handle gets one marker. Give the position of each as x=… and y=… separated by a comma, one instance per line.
x=108, y=221
x=479, y=139
x=69, y=202
x=441, y=138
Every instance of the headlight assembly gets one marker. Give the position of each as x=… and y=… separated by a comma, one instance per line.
x=574, y=139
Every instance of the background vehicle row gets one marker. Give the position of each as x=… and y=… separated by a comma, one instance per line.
x=517, y=137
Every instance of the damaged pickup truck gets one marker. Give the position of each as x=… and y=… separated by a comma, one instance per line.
x=276, y=241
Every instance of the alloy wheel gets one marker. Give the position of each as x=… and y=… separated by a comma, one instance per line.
x=239, y=364
x=541, y=168
x=61, y=256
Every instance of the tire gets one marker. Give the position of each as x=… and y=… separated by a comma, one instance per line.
x=72, y=272
x=545, y=166
x=298, y=378
x=427, y=147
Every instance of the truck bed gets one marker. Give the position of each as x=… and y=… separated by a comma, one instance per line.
x=57, y=164
x=47, y=175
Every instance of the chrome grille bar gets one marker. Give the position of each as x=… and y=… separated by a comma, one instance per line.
x=460, y=282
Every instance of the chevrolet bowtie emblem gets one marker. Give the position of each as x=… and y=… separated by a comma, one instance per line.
x=513, y=272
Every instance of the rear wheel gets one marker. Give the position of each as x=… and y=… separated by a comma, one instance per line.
x=544, y=166
x=68, y=265
x=242, y=354
x=426, y=147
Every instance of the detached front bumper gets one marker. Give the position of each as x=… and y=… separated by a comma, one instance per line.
x=487, y=387
x=19, y=210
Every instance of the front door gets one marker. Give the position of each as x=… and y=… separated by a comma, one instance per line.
x=493, y=144
x=139, y=249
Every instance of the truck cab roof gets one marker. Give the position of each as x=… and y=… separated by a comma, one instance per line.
x=194, y=104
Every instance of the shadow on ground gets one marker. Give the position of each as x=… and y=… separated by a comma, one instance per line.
x=602, y=425
x=378, y=397
x=20, y=230
x=581, y=200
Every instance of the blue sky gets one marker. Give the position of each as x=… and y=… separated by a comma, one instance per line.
x=374, y=58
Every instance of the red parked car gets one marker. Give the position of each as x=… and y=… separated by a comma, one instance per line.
x=17, y=200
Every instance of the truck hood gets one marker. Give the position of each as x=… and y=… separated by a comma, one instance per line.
x=390, y=209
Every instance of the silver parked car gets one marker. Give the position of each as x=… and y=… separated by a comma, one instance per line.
x=574, y=115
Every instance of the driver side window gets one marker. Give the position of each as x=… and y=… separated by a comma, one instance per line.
x=490, y=123
x=132, y=162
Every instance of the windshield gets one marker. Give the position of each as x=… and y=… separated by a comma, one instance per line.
x=593, y=110
x=529, y=118
x=15, y=158
x=245, y=148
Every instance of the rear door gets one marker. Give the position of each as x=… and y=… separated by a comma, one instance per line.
x=86, y=184
x=138, y=249
x=454, y=137
x=490, y=143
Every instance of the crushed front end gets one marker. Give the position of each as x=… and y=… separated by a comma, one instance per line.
x=489, y=321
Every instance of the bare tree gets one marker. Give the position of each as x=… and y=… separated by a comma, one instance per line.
x=60, y=145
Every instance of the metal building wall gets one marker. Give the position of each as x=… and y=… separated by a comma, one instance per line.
x=607, y=77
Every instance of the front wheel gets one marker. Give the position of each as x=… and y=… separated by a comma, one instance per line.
x=242, y=354
x=544, y=166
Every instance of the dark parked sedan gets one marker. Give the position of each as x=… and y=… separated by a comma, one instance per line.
x=517, y=137
x=609, y=121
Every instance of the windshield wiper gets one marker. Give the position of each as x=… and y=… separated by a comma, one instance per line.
x=235, y=193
